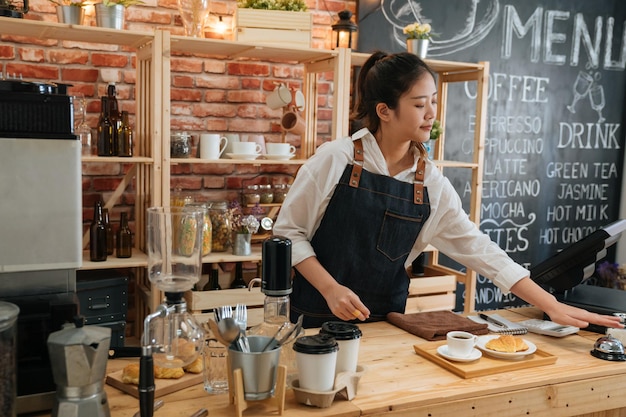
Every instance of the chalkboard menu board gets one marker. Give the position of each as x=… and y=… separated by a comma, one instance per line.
x=554, y=148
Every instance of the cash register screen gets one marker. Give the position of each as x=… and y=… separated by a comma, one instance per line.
x=576, y=263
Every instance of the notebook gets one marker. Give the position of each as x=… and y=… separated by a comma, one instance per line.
x=499, y=325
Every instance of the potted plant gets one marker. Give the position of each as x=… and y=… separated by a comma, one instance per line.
x=110, y=13
x=70, y=11
x=243, y=226
x=435, y=133
x=274, y=22
x=418, y=38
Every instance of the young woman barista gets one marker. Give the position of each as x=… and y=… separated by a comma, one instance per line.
x=363, y=206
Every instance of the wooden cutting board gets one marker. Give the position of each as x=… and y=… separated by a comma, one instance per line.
x=486, y=365
x=162, y=386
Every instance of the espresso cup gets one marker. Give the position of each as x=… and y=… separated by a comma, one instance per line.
x=280, y=97
x=246, y=148
x=460, y=344
x=292, y=122
x=212, y=145
x=260, y=139
x=280, y=149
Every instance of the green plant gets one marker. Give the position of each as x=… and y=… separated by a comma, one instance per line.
x=417, y=31
x=125, y=3
x=288, y=5
x=436, y=131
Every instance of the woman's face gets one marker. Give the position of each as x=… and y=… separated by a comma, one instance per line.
x=416, y=110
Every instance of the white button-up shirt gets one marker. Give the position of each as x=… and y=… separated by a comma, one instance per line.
x=448, y=228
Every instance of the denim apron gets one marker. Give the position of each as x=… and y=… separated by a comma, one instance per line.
x=364, y=238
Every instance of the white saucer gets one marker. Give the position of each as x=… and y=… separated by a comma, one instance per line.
x=443, y=351
x=243, y=156
x=278, y=157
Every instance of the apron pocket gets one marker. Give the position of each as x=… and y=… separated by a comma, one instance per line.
x=397, y=234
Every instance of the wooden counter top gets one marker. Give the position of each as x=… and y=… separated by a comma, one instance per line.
x=399, y=382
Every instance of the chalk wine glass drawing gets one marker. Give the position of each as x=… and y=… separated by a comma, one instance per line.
x=585, y=85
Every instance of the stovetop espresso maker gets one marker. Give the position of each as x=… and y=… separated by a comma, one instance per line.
x=78, y=355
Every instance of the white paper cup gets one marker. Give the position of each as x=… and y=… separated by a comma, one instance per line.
x=280, y=149
x=460, y=344
x=348, y=337
x=316, y=358
x=246, y=148
x=212, y=145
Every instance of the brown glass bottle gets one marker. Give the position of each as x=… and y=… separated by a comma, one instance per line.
x=109, y=232
x=97, y=235
x=125, y=137
x=105, y=130
x=214, y=280
x=115, y=116
x=238, y=282
x=124, y=241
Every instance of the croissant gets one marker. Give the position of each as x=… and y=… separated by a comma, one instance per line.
x=130, y=374
x=507, y=343
x=194, y=367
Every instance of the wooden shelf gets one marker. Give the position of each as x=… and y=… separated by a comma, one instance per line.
x=138, y=260
x=216, y=257
x=117, y=159
x=257, y=161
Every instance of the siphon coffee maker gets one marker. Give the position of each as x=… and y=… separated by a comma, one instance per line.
x=78, y=355
x=172, y=338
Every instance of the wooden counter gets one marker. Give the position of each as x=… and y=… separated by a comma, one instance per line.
x=398, y=382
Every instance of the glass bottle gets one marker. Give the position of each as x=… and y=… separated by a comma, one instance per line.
x=238, y=282
x=207, y=229
x=109, y=232
x=115, y=116
x=125, y=137
x=124, y=242
x=214, y=280
x=97, y=235
x=105, y=130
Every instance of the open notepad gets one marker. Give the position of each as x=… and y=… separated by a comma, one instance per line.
x=500, y=325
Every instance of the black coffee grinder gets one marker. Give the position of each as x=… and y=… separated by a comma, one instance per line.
x=8, y=9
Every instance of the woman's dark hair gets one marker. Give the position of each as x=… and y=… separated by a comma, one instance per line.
x=383, y=79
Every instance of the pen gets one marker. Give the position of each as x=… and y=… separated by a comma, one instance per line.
x=492, y=320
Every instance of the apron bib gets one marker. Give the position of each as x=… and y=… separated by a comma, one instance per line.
x=364, y=238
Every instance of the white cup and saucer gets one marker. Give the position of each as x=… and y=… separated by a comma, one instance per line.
x=279, y=151
x=245, y=150
x=460, y=347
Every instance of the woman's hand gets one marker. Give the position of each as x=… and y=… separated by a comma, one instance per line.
x=345, y=304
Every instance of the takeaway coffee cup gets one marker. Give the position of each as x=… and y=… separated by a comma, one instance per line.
x=212, y=145
x=280, y=149
x=246, y=148
x=316, y=358
x=280, y=97
x=460, y=344
x=348, y=337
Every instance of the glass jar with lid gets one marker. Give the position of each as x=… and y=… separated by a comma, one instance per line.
x=218, y=213
x=267, y=195
x=180, y=145
x=280, y=192
x=251, y=195
x=207, y=229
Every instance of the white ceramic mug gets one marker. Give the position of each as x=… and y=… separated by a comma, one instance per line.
x=212, y=145
x=246, y=148
x=460, y=344
x=260, y=139
x=292, y=122
x=280, y=97
x=280, y=149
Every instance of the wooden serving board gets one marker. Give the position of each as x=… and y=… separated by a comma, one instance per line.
x=162, y=386
x=485, y=365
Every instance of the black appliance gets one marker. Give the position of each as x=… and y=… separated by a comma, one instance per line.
x=565, y=274
x=9, y=9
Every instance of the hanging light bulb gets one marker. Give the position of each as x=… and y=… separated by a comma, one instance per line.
x=221, y=27
x=344, y=31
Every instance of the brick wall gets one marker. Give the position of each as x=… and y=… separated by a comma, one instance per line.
x=208, y=95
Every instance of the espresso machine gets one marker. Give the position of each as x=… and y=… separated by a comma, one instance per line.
x=79, y=356
x=172, y=338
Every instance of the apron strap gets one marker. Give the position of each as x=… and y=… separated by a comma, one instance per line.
x=418, y=185
x=357, y=167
